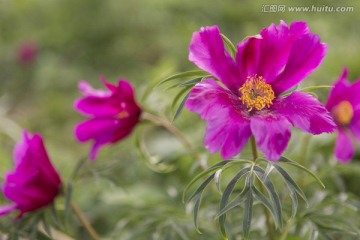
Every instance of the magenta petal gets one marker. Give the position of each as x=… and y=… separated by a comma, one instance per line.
x=340, y=90
x=247, y=57
x=207, y=51
x=344, y=149
x=227, y=127
x=305, y=112
x=276, y=44
x=306, y=55
x=95, y=128
x=87, y=90
x=6, y=209
x=354, y=126
x=98, y=106
x=272, y=135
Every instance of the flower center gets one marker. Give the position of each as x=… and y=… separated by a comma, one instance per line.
x=122, y=114
x=343, y=112
x=255, y=93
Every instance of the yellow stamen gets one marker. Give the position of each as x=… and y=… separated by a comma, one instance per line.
x=343, y=113
x=123, y=114
x=255, y=93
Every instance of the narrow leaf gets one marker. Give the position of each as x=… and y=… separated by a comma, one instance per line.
x=47, y=227
x=202, y=187
x=194, y=73
x=68, y=195
x=295, y=164
x=191, y=82
x=248, y=206
x=217, y=179
x=181, y=106
x=291, y=183
x=309, y=89
x=234, y=203
x=200, y=175
x=227, y=192
x=267, y=183
x=261, y=197
x=196, y=211
x=294, y=200
x=229, y=45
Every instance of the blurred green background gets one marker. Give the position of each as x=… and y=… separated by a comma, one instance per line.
x=142, y=41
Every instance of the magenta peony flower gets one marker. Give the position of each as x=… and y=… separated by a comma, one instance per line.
x=265, y=66
x=344, y=105
x=34, y=183
x=114, y=113
x=27, y=53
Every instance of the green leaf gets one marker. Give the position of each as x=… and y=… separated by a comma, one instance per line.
x=294, y=200
x=194, y=73
x=291, y=183
x=54, y=216
x=78, y=166
x=202, y=187
x=295, y=164
x=203, y=173
x=261, y=197
x=47, y=227
x=196, y=211
x=248, y=206
x=68, y=195
x=312, y=88
x=267, y=183
x=227, y=192
x=191, y=82
x=181, y=106
x=235, y=202
x=217, y=179
x=229, y=45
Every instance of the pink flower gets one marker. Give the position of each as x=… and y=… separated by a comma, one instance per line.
x=27, y=53
x=34, y=183
x=249, y=101
x=344, y=105
x=114, y=114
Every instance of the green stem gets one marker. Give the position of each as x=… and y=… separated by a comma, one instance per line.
x=286, y=229
x=269, y=224
x=167, y=125
x=84, y=221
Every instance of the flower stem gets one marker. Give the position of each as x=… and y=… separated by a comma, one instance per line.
x=286, y=230
x=159, y=121
x=266, y=211
x=84, y=221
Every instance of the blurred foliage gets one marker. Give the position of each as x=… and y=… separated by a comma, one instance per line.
x=144, y=42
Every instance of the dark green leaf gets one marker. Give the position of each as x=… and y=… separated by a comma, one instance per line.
x=295, y=164
x=181, y=106
x=202, y=187
x=217, y=179
x=194, y=73
x=54, y=216
x=290, y=182
x=248, y=205
x=229, y=45
x=47, y=227
x=235, y=202
x=68, y=195
x=78, y=166
x=227, y=192
x=203, y=173
x=261, y=197
x=191, y=82
x=196, y=211
x=267, y=183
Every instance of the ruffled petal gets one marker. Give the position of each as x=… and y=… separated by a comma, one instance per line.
x=304, y=112
x=276, y=44
x=207, y=51
x=272, y=134
x=344, y=148
x=305, y=56
x=227, y=127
